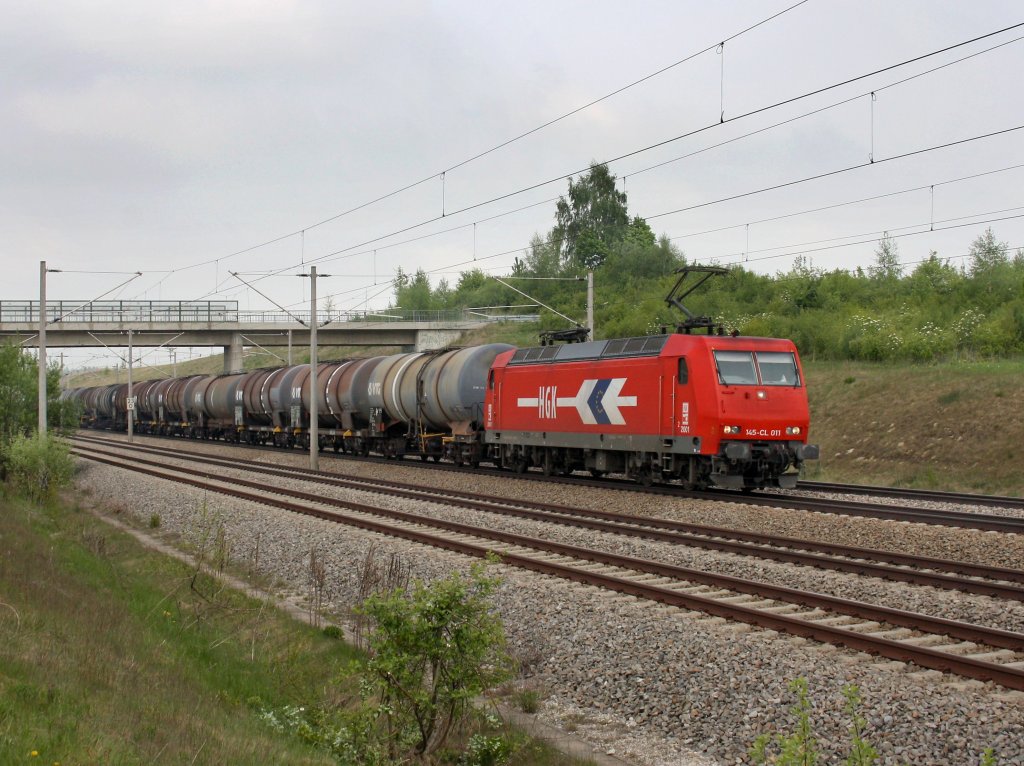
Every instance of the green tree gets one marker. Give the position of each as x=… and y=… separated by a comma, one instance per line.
x=987, y=253
x=18, y=393
x=592, y=220
x=887, y=260
x=413, y=293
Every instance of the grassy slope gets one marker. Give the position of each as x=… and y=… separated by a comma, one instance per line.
x=955, y=425
x=951, y=425
x=111, y=654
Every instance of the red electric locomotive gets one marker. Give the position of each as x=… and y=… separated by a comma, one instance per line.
x=703, y=410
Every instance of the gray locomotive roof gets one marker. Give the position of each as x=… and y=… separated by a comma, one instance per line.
x=650, y=345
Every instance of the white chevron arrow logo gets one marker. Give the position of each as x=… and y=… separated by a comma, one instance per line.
x=598, y=402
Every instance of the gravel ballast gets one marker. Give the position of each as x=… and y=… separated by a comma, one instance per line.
x=654, y=684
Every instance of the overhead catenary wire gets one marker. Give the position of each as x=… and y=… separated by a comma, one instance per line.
x=696, y=131
x=822, y=109
x=894, y=236
x=391, y=284
x=628, y=154
x=769, y=188
x=874, y=234
x=499, y=146
x=330, y=256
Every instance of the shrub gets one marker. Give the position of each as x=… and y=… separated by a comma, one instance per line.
x=432, y=650
x=36, y=467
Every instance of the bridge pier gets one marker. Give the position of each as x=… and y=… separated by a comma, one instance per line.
x=233, y=354
x=429, y=340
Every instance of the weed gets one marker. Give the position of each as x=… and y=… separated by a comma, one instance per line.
x=378, y=578
x=154, y=521
x=317, y=580
x=950, y=397
x=333, y=631
x=800, y=748
x=528, y=700
x=849, y=379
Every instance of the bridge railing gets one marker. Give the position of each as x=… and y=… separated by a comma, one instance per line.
x=121, y=311
x=207, y=312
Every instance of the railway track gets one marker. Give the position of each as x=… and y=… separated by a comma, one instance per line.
x=906, y=493
x=961, y=648
x=998, y=582
x=983, y=521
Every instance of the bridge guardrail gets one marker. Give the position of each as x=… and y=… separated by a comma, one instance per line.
x=209, y=312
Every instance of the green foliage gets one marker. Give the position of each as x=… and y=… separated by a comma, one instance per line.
x=799, y=748
x=935, y=311
x=483, y=750
x=19, y=395
x=18, y=392
x=593, y=220
x=861, y=753
x=528, y=700
x=37, y=467
x=432, y=650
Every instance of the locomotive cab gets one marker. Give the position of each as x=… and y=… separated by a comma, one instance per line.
x=762, y=433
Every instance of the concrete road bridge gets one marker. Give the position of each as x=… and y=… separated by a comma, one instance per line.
x=220, y=323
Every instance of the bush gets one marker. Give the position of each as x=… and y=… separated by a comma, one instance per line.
x=36, y=467
x=432, y=650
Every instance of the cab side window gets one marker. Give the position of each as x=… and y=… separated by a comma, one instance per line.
x=490, y=380
x=684, y=373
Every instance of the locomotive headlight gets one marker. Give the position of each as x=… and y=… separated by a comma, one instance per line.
x=762, y=394
x=793, y=431
x=730, y=429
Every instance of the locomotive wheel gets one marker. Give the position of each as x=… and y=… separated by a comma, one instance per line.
x=596, y=473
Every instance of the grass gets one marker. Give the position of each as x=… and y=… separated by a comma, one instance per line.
x=955, y=425
x=110, y=654
x=113, y=654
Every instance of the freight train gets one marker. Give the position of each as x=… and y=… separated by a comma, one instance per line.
x=699, y=410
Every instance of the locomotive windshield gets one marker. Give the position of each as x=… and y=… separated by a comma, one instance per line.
x=767, y=368
x=778, y=368
x=736, y=368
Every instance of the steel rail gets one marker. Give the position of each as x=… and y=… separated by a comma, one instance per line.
x=667, y=531
x=965, y=498
x=1008, y=676
x=963, y=519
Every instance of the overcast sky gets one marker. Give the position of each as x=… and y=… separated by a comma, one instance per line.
x=154, y=136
